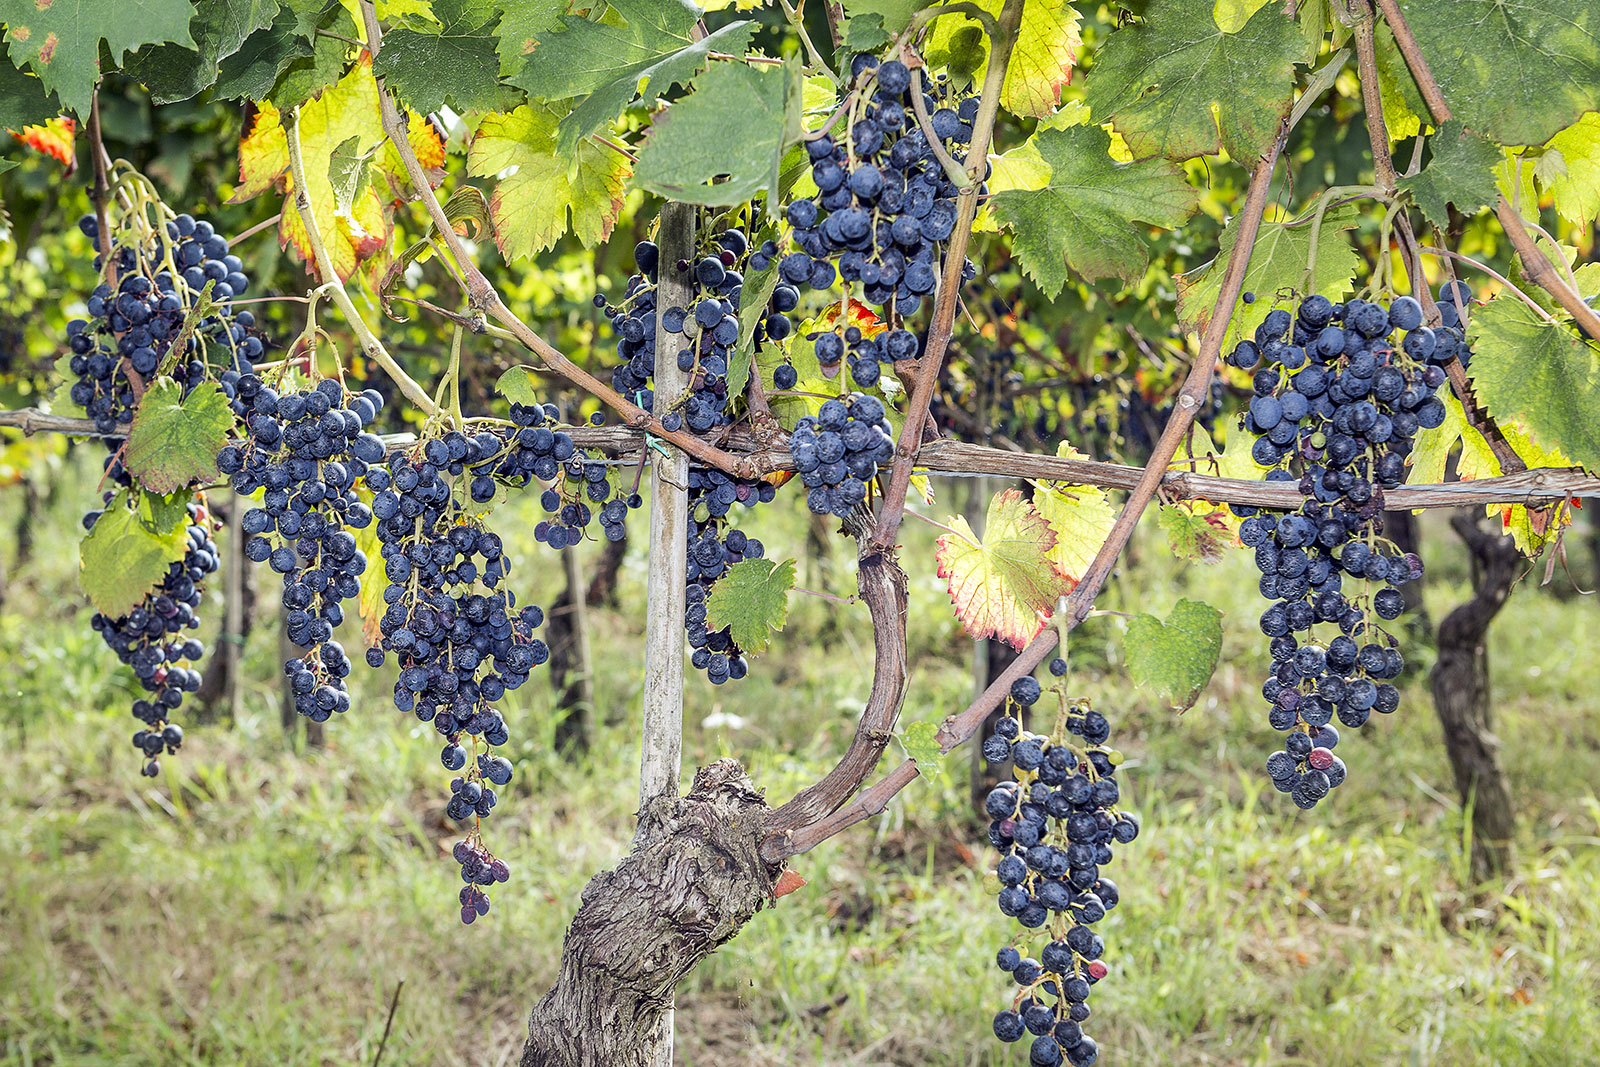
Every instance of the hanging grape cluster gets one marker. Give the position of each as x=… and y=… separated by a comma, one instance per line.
x=304, y=452
x=453, y=624
x=161, y=275
x=883, y=210
x=1340, y=393
x=1054, y=825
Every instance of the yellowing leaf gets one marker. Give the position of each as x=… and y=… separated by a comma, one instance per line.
x=54, y=138
x=344, y=118
x=1041, y=61
x=1080, y=516
x=1005, y=585
x=530, y=205
x=1576, y=188
x=121, y=559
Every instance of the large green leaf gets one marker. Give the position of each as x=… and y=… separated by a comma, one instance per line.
x=174, y=72
x=1514, y=70
x=1084, y=218
x=1177, y=86
x=530, y=206
x=733, y=127
x=61, y=39
x=123, y=558
x=523, y=24
x=1176, y=657
x=1570, y=170
x=1541, y=374
x=605, y=63
x=24, y=101
x=1277, y=262
x=455, y=63
x=250, y=72
x=175, y=438
x=752, y=600
x=1461, y=172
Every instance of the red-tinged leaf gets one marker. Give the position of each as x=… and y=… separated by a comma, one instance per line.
x=54, y=139
x=787, y=883
x=1006, y=584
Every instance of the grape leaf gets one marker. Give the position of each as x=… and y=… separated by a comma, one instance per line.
x=1542, y=374
x=1570, y=170
x=159, y=511
x=865, y=33
x=530, y=206
x=174, y=72
x=1177, y=86
x=523, y=23
x=175, y=438
x=122, y=559
x=1277, y=261
x=752, y=600
x=347, y=112
x=251, y=71
x=733, y=124
x=24, y=101
x=921, y=741
x=1084, y=218
x=1516, y=71
x=304, y=79
x=1080, y=516
x=61, y=39
x=1041, y=60
x=1004, y=585
x=606, y=63
x=349, y=173
x=1460, y=172
x=516, y=385
x=54, y=137
x=1176, y=657
x=456, y=63
x=1193, y=535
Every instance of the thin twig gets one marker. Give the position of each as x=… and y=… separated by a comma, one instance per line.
x=1538, y=269
x=1491, y=272
x=394, y=1002
x=264, y=224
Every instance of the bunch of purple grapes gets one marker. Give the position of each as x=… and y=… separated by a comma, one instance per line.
x=1340, y=393
x=1054, y=826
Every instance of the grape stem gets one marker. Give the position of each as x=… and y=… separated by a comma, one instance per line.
x=955, y=254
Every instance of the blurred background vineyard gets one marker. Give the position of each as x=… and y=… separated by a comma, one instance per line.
x=260, y=903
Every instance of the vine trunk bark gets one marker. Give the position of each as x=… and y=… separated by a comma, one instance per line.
x=1462, y=698
x=694, y=877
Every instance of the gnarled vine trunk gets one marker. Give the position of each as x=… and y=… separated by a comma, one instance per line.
x=694, y=877
x=1461, y=695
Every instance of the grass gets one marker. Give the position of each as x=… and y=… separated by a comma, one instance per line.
x=258, y=905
